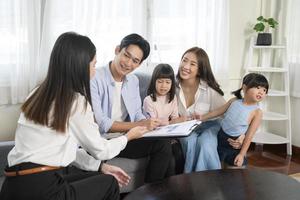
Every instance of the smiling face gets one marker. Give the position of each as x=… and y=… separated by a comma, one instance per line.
x=188, y=68
x=126, y=60
x=163, y=86
x=255, y=94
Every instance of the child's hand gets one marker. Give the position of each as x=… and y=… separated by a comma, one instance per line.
x=237, y=143
x=181, y=119
x=197, y=116
x=164, y=121
x=239, y=160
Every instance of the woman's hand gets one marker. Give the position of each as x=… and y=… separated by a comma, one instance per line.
x=237, y=143
x=136, y=132
x=121, y=176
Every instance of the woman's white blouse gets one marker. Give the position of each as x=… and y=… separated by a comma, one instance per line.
x=43, y=145
x=206, y=100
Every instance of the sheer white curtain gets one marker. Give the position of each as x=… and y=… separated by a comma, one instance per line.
x=181, y=24
x=19, y=48
x=28, y=30
x=293, y=42
x=104, y=22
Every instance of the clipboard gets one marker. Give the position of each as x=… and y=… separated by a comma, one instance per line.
x=182, y=129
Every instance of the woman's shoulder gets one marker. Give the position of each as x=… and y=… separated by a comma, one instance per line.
x=80, y=104
x=204, y=86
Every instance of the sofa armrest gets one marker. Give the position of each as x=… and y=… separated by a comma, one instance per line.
x=5, y=147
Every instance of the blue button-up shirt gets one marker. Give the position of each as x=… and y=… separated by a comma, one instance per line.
x=102, y=88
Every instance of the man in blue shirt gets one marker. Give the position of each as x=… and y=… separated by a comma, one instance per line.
x=117, y=105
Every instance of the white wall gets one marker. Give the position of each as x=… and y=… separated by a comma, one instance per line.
x=295, y=115
x=243, y=15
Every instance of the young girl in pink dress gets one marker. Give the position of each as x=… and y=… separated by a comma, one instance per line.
x=161, y=101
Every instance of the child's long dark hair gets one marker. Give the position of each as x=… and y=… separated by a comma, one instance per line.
x=162, y=71
x=250, y=81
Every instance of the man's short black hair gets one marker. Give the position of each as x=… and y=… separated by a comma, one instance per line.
x=138, y=40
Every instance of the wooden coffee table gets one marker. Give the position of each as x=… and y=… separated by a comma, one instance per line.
x=229, y=184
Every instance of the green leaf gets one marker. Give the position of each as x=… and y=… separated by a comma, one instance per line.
x=272, y=22
x=260, y=18
x=259, y=27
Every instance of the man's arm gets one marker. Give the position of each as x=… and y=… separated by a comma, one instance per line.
x=103, y=121
x=151, y=124
x=132, y=101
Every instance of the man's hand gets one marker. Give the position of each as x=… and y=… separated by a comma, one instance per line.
x=121, y=176
x=151, y=123
x=237, y=143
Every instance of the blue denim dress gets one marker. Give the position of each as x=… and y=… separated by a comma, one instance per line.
x=200, y=148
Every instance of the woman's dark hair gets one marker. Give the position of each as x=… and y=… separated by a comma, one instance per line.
x=252, y=80
x=68, y=74
x=138, y=40
x=204, y=69
x=162, y=71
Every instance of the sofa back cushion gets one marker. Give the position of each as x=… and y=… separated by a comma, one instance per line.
x=144, y=81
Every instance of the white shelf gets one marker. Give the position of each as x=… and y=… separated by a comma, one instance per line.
x=266, y=69
x=277, y=93
x=274, y=116
x=269, y=47
x=264, y=63
x=269, y=138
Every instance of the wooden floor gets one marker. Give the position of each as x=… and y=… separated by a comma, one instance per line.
x=274, y=158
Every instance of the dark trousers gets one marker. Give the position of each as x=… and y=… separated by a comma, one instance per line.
x=226, y=152
x=56, y=185
x=159, y=152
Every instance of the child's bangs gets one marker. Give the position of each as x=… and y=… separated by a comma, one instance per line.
x=169, y=75
x=259, y=83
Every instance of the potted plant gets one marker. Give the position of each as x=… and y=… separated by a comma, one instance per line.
x=262, y=27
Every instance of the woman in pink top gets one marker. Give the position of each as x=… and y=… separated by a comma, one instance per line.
x=161, y=101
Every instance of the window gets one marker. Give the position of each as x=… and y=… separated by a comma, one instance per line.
x=29, y=29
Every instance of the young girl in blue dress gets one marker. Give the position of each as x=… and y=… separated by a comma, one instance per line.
x=242, y=115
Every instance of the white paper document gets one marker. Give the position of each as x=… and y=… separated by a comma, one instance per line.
x=174, y=130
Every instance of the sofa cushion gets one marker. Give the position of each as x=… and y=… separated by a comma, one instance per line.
x=135, y=168
x=129, y=165
x=144, y=81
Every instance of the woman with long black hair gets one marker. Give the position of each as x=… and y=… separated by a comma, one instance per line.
x=56, y=119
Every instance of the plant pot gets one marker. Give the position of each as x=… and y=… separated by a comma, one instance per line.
x=264, y=39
